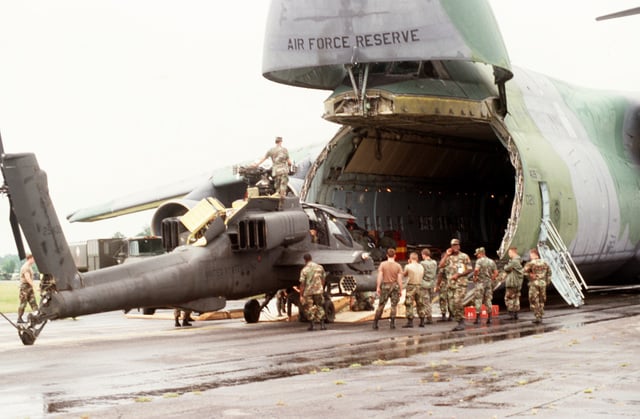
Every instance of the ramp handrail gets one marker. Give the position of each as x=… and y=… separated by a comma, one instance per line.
x=565, y=274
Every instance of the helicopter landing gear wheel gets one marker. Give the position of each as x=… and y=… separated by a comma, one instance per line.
x=27, y=336
x=252, y=311
x=329, y=310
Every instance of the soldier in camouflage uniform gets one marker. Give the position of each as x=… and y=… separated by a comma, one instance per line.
x=484, y=274
x=312, y=292
x=186, y=318
x=430, y=267
x=363, y=301
x=539, y=274
x=413, y=297
x=280, y=168
x=456, y=266
x=26, y=288
x=388, y=286
x=47, y=285
x=513, y=283
x=442, y=289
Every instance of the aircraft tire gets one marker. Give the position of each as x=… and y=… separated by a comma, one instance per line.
x=150, y=311
x=27, y=336
x=252, y=311
x=330, y=310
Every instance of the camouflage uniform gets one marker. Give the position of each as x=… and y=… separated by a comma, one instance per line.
x=363, y=301
x=280, y=169
x=513, y=285
x=47, y=285
x=26, y=290
x=413, y=296
x=443, y=294
x=281, y=301
x=389, y=290
x=430, y=267
x=539, y=274
x=483, y=291
x=312, y=298
x=456, y=264
x=185, y=319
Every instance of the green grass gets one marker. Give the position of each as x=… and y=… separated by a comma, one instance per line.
x=9, y=296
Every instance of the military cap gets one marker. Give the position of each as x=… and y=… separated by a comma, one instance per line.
x=455, y=241
x=480, y=250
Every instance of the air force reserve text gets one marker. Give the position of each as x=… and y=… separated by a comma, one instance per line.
x=349, y=41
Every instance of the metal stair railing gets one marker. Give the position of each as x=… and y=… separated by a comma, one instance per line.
x=565, y=275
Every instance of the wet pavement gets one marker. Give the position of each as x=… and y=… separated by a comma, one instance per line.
x=579, y=362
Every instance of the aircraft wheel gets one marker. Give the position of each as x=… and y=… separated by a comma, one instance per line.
x=302, y=316
x=149, y=311
x=27, y=336
x=330, y=310
x=252, y=311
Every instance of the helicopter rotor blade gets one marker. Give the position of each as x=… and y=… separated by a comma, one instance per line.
x=623, y=13
x=13, y=220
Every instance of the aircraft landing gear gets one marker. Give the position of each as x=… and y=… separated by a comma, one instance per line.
x=252, y=311
x=329, y=309
x=28, y=332
x=253, y=308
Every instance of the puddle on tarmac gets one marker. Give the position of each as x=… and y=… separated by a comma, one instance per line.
x=292, y=364
x=377, y=349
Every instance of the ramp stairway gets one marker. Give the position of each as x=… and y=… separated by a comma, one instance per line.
x=565, y=276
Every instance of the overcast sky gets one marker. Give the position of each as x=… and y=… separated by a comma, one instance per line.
x=115, y=96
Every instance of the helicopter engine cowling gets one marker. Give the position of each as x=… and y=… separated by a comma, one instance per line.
x=170, y=209
x=269, y=230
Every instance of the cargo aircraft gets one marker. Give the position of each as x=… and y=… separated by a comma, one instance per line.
x=439, y=137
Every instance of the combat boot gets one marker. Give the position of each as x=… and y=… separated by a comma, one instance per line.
x=177, y=323
x=311, y=325
x=421, y=322
x=375, y=322
x=429, y=320
x=515, y=315
x=20, y=320
x=392, y=323
x=409, y=323
x=459, y=327
x=185, y=322
x=444, y=318
x=322, y=325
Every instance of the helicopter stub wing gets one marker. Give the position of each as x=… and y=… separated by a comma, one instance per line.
x=321, y=256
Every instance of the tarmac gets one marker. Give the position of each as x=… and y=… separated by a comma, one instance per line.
x=587, y=369
x=579, y=362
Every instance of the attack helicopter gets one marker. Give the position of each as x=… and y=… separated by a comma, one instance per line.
x=255, y=247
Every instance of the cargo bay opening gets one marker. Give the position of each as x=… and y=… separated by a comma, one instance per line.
x=419, y=187
x=423, y=175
